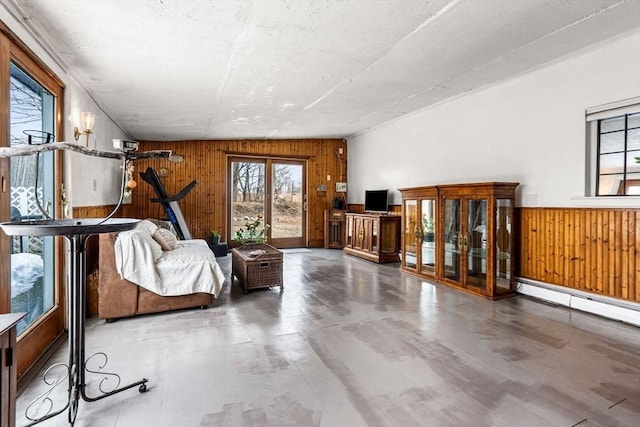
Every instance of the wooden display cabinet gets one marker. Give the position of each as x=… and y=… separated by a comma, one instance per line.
x=473, y=240
x=374, y=237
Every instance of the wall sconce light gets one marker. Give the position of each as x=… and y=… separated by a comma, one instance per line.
x=88, y=120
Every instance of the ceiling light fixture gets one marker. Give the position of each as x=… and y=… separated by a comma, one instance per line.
x=88, y=120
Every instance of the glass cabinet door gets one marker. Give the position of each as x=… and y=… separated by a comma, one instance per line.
x=475, y=244
x=503, y=246
x=349, y=228
x=358, y=231
x=451, y=224
x=374, y=245
x=409, y=233
x=428, y=241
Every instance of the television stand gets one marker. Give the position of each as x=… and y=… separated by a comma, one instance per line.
x=373, y=236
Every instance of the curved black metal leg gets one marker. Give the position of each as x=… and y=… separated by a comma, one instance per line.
x=76, y=369
x=44, y=404
x=105, y=380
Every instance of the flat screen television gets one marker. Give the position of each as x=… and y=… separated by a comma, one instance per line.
x=376, y=201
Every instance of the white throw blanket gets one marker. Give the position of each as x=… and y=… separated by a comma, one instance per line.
x=188, y=269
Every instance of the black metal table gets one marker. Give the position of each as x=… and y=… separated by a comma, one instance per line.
x=76, y=231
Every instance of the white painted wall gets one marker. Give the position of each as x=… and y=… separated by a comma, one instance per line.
x=90, y=181
x=94, y=181
x=530, y=129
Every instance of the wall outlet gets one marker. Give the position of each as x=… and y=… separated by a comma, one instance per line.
x=340, y=150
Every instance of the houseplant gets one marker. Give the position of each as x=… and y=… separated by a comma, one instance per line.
x=338, y=202
x=252, y=232
x=214, y=237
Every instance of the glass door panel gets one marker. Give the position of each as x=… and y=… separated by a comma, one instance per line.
x=503, y=245
x=451, y=231
x=358, y=230
x=33, y=279
x=476, y=243
x=410, y=230
x=350, y=241
x=428, y=245
x=373, y=247
x=247, y=195
x=288, y=204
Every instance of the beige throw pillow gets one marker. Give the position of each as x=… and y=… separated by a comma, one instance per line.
x=165, y=238
x=147, y=226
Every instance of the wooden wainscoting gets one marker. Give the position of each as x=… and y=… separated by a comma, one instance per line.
x=204, y=208
x=92, y=254
x=592, y=250
x=359, y=208
x=92, y=243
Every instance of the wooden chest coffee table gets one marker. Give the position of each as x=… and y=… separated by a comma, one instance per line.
x=257, y=265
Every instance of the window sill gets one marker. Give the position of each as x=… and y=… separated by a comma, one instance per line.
x=607, y=201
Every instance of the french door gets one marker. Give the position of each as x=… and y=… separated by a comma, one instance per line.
x=31, y=281
x=271, y=189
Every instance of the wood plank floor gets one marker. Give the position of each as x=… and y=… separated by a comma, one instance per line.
x=352, y=343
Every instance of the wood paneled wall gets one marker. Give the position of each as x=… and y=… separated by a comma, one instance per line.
x=204, y=208
x=91, y=255
x=92, y=243
x=592, y=250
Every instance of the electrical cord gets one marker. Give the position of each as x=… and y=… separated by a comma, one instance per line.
x=46, y=215
x=124, y=173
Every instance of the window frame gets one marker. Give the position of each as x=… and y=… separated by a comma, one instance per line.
x=39, y=337
x=594, y=116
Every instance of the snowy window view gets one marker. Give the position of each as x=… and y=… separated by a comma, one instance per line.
x=32, y=258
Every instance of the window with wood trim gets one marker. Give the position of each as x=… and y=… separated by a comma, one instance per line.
x=32, y=269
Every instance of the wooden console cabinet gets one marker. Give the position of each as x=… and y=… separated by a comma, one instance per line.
x=334, y=232
x=461, y=235
x=8, y=368
x=374, y=237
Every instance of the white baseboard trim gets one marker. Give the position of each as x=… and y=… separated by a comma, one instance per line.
x=611, y=308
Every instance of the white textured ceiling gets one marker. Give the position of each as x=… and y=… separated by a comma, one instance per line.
x=198, y=69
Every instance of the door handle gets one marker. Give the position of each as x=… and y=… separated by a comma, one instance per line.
x=462, y=242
